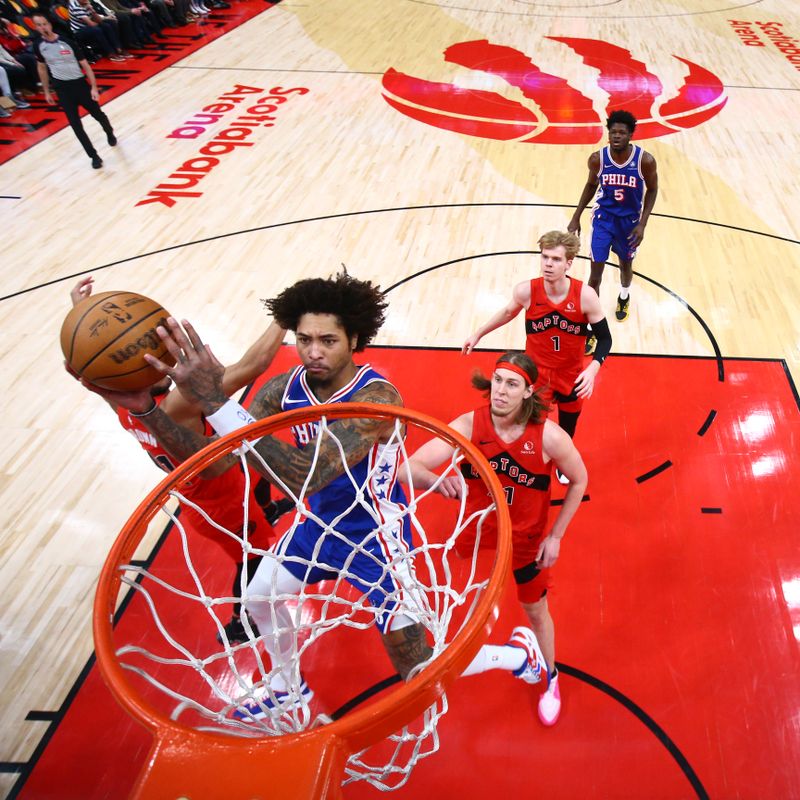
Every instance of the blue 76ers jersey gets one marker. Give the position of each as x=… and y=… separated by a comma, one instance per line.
x=620, y=189
x=377, y=474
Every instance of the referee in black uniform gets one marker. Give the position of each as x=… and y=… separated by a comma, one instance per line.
x=67, y=62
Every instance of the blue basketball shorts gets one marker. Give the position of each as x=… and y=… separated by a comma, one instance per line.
x=611, y=232
x=380, y=565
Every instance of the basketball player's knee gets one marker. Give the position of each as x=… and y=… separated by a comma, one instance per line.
x=407, y=647
x=537, y=612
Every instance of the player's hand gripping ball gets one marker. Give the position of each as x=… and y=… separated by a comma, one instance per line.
x=105, y=338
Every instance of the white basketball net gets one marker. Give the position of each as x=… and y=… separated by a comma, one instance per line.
x=205, y=683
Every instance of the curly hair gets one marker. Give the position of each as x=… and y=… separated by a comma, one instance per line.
x=534, y=409
x=623, y=117
x=358, y=305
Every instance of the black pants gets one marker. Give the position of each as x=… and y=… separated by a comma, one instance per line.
x=74, y=94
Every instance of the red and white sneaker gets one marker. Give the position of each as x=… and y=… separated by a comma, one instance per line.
x=550, y=703
x=533, y=668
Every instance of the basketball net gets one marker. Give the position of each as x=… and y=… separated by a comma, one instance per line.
x=206, y=683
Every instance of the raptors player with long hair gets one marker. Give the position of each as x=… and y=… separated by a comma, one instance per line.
x=522, y=447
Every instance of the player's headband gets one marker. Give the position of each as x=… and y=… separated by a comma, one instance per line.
x=514, y=368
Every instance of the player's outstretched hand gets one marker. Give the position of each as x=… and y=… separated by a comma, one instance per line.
x=470, y=344
x=197, y=372
x=81, y=290
x=138, y=401
x=574, y=226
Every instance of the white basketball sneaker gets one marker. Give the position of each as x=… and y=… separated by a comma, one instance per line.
x=533, y=668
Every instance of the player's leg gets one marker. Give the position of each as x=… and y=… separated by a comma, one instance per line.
x=235, y=629
x=623, y=310
x=599, y=249
x=569, y=411
x=390, y=592
x=621, y=245
x=406, y=644
x=532, y=594
x=277, y=626
x=542, y=625
x=521, y=655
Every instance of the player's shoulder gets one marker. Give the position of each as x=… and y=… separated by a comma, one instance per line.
x=464, y=423
x=589, y=296
x=589, y=299
x=522, y=291
x=646, y=157
x=553, y=436
x=379, y=390
x=264, y=396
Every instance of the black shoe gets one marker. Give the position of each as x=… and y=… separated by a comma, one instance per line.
x=236, y=633
x=273, y=511
x=623, y=308
x=112, y=140
x=97, y=162
x=591, y=344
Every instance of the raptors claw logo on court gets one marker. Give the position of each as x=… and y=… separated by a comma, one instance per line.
x=563, y=115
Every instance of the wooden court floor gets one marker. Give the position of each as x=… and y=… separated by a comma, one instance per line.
x=410, y=148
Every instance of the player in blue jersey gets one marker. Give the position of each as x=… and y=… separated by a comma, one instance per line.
x=333, y=320
x=623, y=180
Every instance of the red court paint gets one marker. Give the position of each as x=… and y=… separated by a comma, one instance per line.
x=667, y=616
x=565, y=115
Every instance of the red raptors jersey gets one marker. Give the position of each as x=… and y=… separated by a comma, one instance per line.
x=556, y=334
x=525, y=478
x=221, y=498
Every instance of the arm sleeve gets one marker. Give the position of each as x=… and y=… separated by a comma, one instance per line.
x=603, y=334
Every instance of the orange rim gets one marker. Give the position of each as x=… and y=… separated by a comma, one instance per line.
x=361, y=727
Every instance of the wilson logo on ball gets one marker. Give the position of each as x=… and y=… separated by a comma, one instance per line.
x=558, y=113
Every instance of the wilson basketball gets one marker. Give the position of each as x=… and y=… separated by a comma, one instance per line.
x=105, y=338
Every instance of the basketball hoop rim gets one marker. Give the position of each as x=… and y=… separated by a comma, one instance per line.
x=358, y=728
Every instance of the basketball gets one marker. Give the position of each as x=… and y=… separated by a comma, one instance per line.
x=105, y=337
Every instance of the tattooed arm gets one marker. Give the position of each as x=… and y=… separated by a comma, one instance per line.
x=198, y=374
x=181, y=442
x=356, y=435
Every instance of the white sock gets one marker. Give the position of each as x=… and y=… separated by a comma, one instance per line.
x=492, y=656
x=623, y=292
